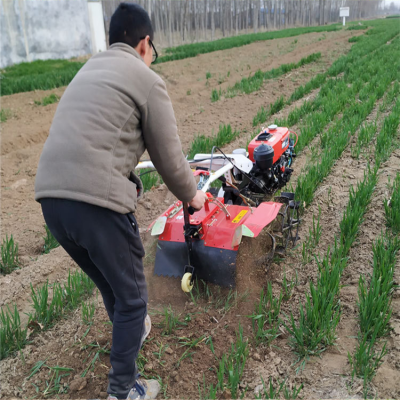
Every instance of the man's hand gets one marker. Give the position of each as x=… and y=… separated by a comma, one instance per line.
x=198, y=201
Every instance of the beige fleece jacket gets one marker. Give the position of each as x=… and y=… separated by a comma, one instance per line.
x=113, y=110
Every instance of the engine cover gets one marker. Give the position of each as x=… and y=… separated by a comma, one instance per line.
x=277, y=138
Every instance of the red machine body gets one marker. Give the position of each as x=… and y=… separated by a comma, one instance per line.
x=277, y=138
x=219, y=229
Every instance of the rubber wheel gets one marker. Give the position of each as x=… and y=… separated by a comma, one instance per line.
x=186, y=285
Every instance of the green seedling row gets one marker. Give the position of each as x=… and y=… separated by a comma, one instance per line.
x=344, y=63
x=387, y=137
x=315, y=329
x=38, y=75
x=319, y=316
x=392, y=207
x=9, y=256
x=333, y=99
x=50, y=303
x=192, y=50
x=13, y=336
x=255, y=82
x=375, y=309
x=273, y=391
x=375, y=299
x=204, y=144
x=265, y=320
x=365, y=361
x=336, y=139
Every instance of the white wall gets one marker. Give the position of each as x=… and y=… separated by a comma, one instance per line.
x=98, y=32
x=43, y=29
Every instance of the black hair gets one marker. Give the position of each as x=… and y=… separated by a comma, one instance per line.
x=129, y=24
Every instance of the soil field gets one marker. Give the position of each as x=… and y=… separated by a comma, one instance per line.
x=178, y=360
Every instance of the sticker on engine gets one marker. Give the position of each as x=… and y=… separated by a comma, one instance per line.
x=239, y=216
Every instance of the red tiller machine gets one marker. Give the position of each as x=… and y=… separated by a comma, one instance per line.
x=204, y=244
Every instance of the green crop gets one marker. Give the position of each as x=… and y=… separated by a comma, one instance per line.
x=216, y=95
x=356, y=206
x=231, y=365
x=365, y=135
x=9, y=255
x=265, y=320
x=319, y=316
x=49, y=309
x=356, y=27
x=192, y=50
x=88, y=309
x=204, y=144
x=274, y=390
x=375, y=301
x=12, y=336
x=53, y=98
x=38, y=75
x=392, y=207
x=254, y=83
x=366, y=361
x=50, y=303
x=171, y=321
x=4, y=115
x=386, y=138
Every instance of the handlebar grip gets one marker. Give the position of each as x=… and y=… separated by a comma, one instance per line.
x=191, y=210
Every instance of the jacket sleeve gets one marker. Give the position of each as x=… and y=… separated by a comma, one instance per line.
x=161, y=138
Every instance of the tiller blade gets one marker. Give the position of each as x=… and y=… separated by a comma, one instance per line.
x=216, y=232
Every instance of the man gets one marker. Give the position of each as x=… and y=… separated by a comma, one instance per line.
x=113, y=110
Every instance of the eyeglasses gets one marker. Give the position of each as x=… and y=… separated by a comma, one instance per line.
x=155, y=54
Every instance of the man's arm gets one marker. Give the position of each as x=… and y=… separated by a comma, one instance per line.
x=161, y=138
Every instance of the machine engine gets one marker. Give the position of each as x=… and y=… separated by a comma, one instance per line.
x=272, y=153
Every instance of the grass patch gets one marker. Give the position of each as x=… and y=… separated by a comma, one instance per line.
x=38, y=75
x=9, y=256
x=51, y=99
x=4, y=115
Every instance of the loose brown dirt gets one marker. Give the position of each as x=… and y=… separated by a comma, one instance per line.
x=213, y=318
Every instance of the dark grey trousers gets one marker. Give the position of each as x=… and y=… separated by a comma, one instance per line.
x=108, y=248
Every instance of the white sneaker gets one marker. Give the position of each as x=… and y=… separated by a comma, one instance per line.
x=143, y=389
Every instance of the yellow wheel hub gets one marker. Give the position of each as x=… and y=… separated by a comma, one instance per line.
x=186, y=285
